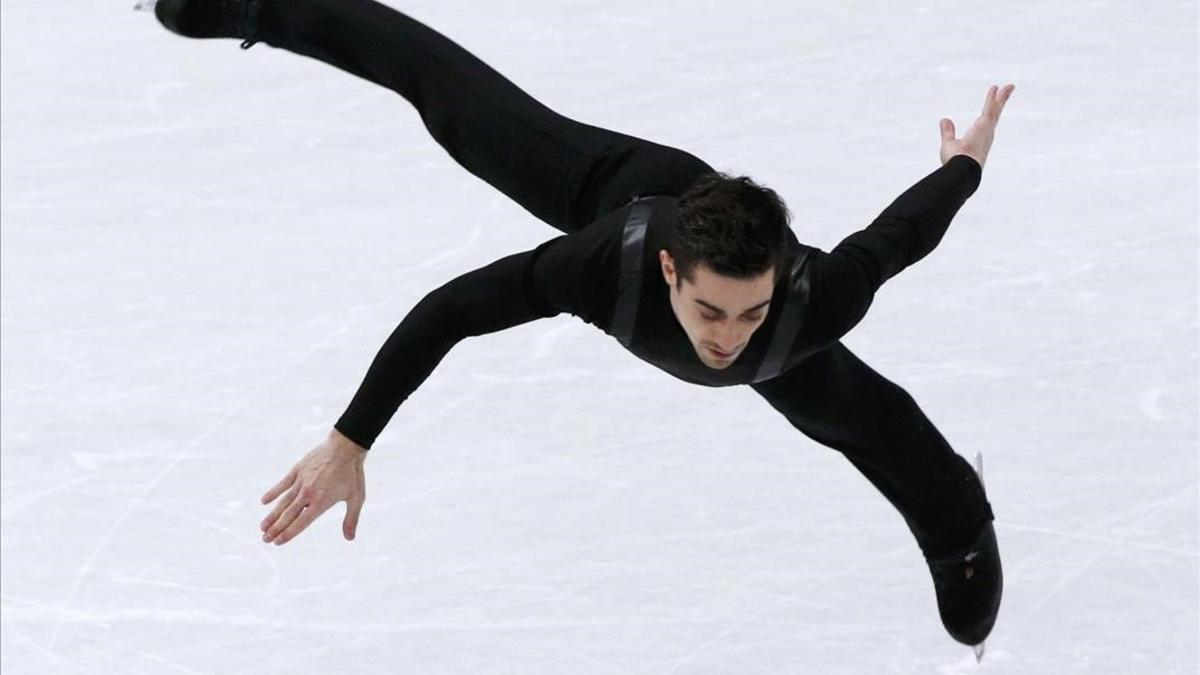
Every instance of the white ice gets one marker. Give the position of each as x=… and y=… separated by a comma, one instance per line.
x=203, y=248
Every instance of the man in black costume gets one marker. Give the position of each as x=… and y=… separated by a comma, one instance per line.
x=691, y=269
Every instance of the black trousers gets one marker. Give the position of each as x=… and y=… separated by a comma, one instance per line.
x=565, y=172
x=840, y=402
x=568, y=173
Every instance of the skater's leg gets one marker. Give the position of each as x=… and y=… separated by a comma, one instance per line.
x=839, y=401
x=564, y=172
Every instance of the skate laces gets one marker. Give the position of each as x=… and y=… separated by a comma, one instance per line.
x=946, y=568
x=963, y=556
x=954, y=559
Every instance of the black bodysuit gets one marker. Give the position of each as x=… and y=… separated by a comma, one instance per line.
x=580, y=274
x=580, y=179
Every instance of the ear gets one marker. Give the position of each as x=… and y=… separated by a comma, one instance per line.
x=668, y=267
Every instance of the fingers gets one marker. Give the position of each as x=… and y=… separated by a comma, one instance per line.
x=279, y=487
x=326, y=475
x=1002, y=97
x=947, y=126
x=993, y=102
x=289, y=514
x=989, y=98
x=310, y=513
x=350, y=522
x=270, y=525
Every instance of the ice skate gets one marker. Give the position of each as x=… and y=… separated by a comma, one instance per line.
x=969, y=585
x=208, y=18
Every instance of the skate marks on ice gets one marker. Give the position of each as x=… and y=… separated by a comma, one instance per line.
x=1128, y=521
x=783, y=600
x=1113, y=540
x=110, y=644
x=142, y=498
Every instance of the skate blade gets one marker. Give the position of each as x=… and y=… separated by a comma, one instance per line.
x=978, y=649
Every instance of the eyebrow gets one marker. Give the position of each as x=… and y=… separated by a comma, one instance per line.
x=718, y=310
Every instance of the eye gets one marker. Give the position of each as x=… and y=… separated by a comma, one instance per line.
x=709, y=318
x=752, y=319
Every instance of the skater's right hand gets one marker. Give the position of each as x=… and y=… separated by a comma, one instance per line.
x=977, y=142
x=330, y=473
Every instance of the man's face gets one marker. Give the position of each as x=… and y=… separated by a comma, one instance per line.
x=718, y=313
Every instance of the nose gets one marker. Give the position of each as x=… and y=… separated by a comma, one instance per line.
x=727, y=340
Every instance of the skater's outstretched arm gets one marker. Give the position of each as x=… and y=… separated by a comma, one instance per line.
x=485, y=300
x=538, y=283
x=558, y=276
x=844, y=282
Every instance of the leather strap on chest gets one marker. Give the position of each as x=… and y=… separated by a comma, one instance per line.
x=630, y=290
x=633, y=244
x=789, y=323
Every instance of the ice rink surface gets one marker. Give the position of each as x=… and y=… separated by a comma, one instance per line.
x=203, y=248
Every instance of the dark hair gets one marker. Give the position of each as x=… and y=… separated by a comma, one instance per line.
x=732, y=224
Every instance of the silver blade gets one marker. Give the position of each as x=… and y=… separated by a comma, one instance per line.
x=979, y=470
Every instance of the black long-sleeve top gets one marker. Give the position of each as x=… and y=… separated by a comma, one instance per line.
x=579, y=274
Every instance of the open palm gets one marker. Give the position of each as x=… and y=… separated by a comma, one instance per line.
x=330, y=473
x=978, y=140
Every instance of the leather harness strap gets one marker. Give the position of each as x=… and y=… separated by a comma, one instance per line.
x=789, y=323
x=625, y=315
x=632, y=247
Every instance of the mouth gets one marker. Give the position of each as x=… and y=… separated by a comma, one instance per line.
x=723, y=356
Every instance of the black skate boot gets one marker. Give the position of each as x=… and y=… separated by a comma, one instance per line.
x=211, y=18
x=968, y=587
x=969, y=584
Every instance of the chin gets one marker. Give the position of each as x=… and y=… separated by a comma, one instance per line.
x=718, y=365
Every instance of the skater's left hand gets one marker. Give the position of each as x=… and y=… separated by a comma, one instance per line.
x=978, y=140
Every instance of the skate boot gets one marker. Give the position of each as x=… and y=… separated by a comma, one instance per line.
x=969, y=585
x=211, y=18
